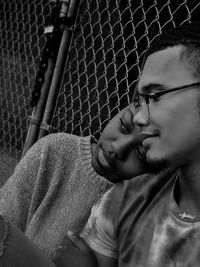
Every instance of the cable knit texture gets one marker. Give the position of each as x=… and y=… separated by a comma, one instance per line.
x=52, y=190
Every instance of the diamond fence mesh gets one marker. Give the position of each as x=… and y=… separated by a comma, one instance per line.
x=105, y=60
x=21, y=41
x=103, y=68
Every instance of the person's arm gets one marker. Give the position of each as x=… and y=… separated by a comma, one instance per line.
x=16, y=249
x=16, y=193
x=75, y=252
x=104, y=261
x=99, y=231
x=96, y=247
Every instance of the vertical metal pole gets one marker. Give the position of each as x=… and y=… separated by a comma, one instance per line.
x=45, y=126
x=66, y=14
x=38, y=111
x=43, y=79
x=68, y=28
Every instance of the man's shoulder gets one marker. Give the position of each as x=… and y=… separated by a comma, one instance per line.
x=147, y=185
x=109, y=202
x=140, y=188
x=123, y=191
x=132, y=193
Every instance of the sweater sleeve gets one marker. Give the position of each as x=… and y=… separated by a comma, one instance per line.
x=39, y=177
x=16, y=193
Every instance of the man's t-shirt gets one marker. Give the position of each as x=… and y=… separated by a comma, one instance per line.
x=140, y=223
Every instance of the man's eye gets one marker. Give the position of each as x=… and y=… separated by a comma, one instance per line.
x=124, y=127
x=155, y=98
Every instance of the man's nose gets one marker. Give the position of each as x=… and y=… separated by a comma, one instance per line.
x=140, y=120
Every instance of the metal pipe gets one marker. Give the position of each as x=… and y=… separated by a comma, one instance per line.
x=45, y=126
x=68, y=29
x=38, y=111
x=40, y=120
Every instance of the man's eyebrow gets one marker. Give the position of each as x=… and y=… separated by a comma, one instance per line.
x=147, y=89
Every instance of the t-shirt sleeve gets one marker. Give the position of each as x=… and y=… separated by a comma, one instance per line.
x=99, y=230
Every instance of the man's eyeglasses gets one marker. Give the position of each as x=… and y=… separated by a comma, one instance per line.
x=142, y=101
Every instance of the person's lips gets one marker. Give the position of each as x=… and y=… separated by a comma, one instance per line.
x=105, y=159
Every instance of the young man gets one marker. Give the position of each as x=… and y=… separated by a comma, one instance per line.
x=55, y=185
x=155, y=221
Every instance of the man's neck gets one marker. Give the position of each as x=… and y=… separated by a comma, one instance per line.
x=190, y=188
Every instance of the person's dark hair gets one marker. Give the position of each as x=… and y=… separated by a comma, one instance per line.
x=187, y=35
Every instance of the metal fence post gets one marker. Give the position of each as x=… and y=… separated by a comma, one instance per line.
x=46, y=97
x=69, y=12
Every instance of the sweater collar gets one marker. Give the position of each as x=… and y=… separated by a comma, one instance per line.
x=86, y=156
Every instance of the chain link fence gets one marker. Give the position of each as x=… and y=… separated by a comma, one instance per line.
x=106, y=57
x=103, y=67
x=21, y=41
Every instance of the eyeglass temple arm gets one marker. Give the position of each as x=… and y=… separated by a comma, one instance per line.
x=151, y=95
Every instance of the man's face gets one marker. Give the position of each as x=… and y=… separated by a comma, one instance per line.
x=172, y=133
x=114, y=156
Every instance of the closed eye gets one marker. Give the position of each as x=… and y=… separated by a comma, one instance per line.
x=124, y=128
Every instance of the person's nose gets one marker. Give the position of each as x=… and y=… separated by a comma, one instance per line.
x=121, y=147
x=140, y=120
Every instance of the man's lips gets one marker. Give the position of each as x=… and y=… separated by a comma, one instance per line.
x=145, y=135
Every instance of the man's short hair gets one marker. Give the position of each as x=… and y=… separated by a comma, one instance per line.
x=187, y=35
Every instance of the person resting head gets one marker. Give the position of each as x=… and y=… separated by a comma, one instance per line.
x=118, y=154
x=61, y=177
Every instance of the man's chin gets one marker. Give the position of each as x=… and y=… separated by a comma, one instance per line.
x=156, y=165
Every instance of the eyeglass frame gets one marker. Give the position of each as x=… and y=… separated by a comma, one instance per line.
x=156, y=95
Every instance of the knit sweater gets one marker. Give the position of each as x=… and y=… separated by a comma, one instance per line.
x=52, y=190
